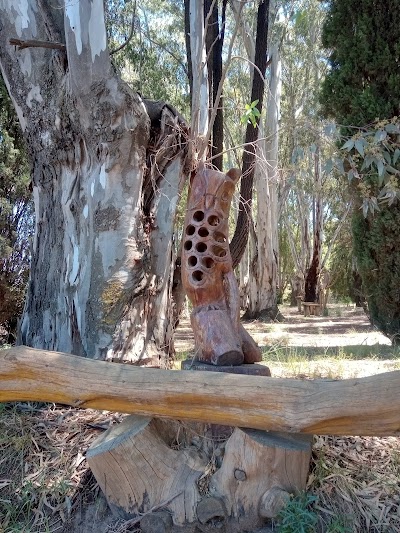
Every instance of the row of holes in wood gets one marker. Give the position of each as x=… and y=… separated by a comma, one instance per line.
x=204, y=243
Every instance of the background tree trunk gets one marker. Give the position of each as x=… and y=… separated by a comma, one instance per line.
x=263, y=277
x=239, y=239
x=313, y=273
x=200, y=92
x=100, y=276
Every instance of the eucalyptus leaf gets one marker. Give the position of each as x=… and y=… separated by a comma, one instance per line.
x=380, y=166
x=391, y=169
x=386, y=155
x=359, y=144
x=328, y=166
x=365, y=206
x=340, y=165
x=380, y=136
x=392, y=128
x=348, y=145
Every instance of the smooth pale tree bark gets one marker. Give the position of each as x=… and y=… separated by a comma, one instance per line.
x=299, y=243
x=200, y=92
x=105, y=200
x=263, y=279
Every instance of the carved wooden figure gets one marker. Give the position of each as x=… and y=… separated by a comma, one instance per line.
x=207, y=273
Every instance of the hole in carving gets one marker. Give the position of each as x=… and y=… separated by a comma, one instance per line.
x=188, y=245
x=213, y=220
x=197, y=275
x=219, y=251
x=203, y=232
x=192, y=261
x=190, y=230
x=219, y=237
x=208, y=262
x=201, y=247
x=198, y=216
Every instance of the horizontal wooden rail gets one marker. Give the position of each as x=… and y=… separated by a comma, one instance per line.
x=365, y=406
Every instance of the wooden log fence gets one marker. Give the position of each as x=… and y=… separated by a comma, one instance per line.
x=364, y=406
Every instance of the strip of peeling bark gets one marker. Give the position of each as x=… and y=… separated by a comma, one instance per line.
x=365, y=406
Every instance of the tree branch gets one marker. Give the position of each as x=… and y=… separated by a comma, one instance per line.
x=37, y=44
x=119, y=48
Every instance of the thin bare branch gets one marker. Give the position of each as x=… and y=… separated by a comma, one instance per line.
x=36, y=44
x=130, y=33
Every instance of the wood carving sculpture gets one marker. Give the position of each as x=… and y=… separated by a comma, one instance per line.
x=207, y=273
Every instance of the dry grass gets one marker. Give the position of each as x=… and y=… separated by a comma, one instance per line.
x=43, y=472
x=357, y=483
x=44, y=478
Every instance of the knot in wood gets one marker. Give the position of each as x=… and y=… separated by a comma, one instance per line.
x=240, y=475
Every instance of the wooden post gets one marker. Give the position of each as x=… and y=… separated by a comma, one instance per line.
x=207, y=273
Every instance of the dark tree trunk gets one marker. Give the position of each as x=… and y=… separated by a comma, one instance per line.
x=239, y=240
x=311, y=288
x=311, y=283
x=214, y=44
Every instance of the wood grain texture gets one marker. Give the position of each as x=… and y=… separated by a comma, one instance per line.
x=207, y=274
x=137, y=470
x=255, y=462
x=365, y=406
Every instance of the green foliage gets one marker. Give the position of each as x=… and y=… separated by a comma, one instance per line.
x=362, y=92
x=340, y=524
x=297, y=517
x=153, y=62
x=363, y=83
x=251, y=114
x=372, y=160
x=16, y=213
x=376, y=246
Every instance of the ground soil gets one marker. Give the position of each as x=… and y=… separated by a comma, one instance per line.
x=342, y=326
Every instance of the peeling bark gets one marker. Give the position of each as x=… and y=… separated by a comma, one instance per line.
x=263, y=278
x=101, y=271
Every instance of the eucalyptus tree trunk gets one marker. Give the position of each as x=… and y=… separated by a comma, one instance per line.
x=263, y=278
x=215, y=32
x=239, y=239
x=200, y=88
x=313, y=273
x=105, y=198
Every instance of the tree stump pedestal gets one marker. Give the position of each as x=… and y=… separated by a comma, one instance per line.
x=204, y=476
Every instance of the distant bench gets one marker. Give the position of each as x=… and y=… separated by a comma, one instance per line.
x=311, y=308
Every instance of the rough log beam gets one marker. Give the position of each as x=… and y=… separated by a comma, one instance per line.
x=365, y=406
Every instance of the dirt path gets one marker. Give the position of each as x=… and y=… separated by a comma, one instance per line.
x=340, y=345
x=344, y=326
